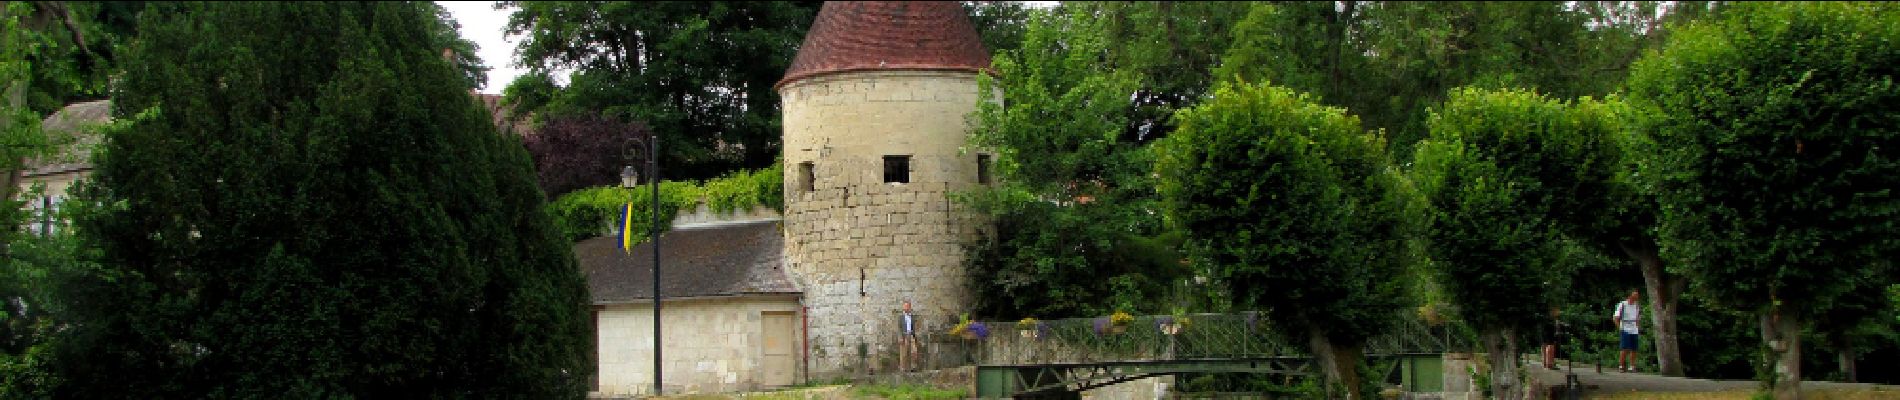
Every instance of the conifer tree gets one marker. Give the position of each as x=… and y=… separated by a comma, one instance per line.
x=306, y=203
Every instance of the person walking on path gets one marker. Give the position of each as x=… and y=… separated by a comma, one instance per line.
x=1626, y=317
x=1553, y=333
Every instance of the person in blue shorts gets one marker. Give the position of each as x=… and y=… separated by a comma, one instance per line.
x=1626, y=317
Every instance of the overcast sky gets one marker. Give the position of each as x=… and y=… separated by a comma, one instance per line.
x=484, y=25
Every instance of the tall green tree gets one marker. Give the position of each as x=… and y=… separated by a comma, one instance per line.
x=1073, y=234
x=1389, y=61
x=1000, y=23
x=1774, y=166
x=1300, y=210
x=35, y=40
x=306, y=203
x=1500, y=171
x=446, y=34
x=1169, y=45
x=1088, y=91
x=700, y=74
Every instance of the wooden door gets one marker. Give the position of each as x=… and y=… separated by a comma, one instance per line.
x=780, y=348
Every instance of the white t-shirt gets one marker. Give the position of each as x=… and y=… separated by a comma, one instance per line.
x=908, y=325
x=1627, y=314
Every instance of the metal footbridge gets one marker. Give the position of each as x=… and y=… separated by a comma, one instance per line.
x=1061, y=358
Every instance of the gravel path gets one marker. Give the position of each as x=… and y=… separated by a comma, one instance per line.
x=1610, y=381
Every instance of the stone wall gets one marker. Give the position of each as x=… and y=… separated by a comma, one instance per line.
x=857, y=246
x=712, y=345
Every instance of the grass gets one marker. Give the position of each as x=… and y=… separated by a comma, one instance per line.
x=1824, y=394
x=906, y=392
x=893, y=392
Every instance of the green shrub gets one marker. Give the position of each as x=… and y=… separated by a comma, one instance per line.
x=595, y=211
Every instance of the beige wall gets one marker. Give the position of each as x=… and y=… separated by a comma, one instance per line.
x=56, y=184
x=857, y=246
x=712, y=345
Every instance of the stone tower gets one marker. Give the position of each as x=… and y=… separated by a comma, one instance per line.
x=875, y=108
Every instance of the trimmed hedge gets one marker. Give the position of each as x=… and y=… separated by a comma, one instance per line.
x=594, y=211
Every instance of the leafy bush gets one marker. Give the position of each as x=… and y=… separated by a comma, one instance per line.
x=595, y=211
x=747, y=189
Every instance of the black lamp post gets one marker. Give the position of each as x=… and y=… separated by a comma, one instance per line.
x=653, y=164
x=630, y=177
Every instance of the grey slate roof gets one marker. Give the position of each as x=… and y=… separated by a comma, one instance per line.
x=724, y=260
x=75, y=154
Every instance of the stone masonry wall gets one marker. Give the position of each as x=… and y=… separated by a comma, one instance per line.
x=712, y=345
x=857, y=246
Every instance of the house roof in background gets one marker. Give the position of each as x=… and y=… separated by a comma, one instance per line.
x=75, y=151
x=716, y=260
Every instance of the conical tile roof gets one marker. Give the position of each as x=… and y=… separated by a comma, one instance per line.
x=889, y=35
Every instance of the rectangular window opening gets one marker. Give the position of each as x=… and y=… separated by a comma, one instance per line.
x=896, y=169
x=983, y=169
x=806, y=181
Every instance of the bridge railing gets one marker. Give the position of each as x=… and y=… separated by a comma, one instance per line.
x=1203, y=336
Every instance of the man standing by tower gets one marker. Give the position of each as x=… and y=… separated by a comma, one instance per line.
x=907, y=344
x=1626, y=317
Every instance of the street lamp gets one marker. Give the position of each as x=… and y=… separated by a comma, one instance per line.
x=630, y=178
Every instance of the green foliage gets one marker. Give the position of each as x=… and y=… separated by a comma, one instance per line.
x=42, y=63
x=1297, y=208
x=1166, y=47
x=34, y=274
x=1500, y=171
x=1000, y=23
x=907, y=392
x=22, y=50
x=700, y=74
x=313, y=207
x=1278, y=192
x=57, y=53
x=1389, y=61
x=1170, y=45
x=446, y=33
x=1076, y=230
x=1773, y=160
x=741, y=190
x=1893, y=297
x=596, y=211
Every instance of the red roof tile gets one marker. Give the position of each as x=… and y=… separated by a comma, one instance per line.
x=889, y=35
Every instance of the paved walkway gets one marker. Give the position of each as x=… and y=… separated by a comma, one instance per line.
x=1610, y=381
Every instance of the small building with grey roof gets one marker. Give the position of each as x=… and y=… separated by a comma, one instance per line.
x=731, y=319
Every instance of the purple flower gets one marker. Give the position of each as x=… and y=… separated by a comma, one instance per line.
x=1101, y=325
x=980, y=330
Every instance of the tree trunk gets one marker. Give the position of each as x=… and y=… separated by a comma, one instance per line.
x=1339, y=363
x=1845, y=359
x=1501, y=350
x=1782, y=334
x=11, y=170
x=1664, y=292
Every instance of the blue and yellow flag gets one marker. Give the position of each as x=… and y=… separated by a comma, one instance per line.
x=626, y=228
